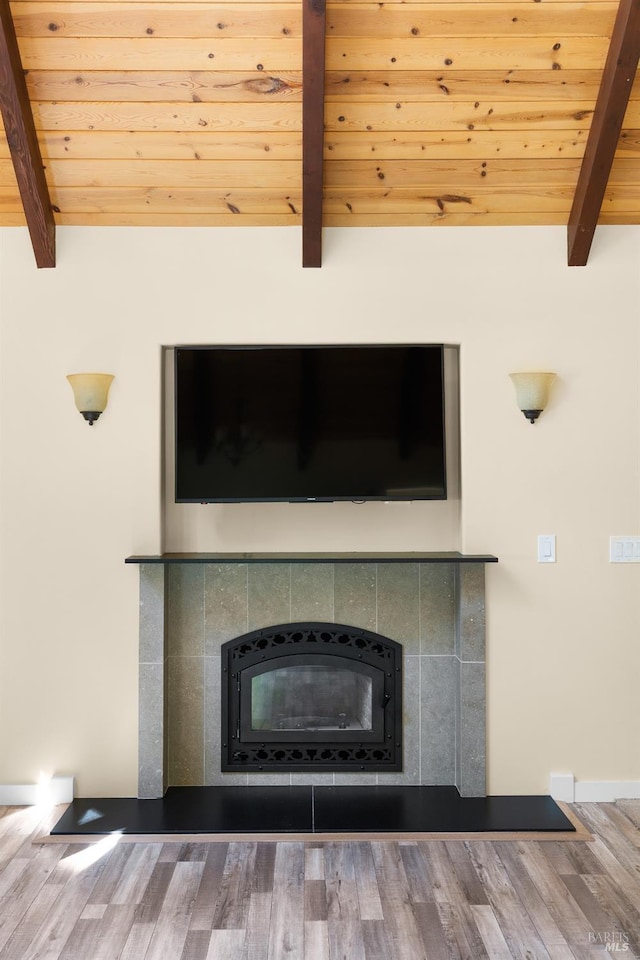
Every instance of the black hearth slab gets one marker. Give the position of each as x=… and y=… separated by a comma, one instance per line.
x=430, y=810
x=305, y=809
x=194, y=810
x=97, y=815
x=240, y=809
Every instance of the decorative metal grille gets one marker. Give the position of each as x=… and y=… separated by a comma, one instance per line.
x=346, y=714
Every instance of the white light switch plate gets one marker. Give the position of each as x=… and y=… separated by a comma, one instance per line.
x=546, y=548
x=624, y=549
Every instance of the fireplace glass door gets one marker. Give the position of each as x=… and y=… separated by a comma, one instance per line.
x=309, y=698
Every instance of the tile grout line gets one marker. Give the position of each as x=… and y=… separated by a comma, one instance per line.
x=247, y=586
x=203, y=588
x=419, y=677
x=168, y=706
x=376, y=601
x=333, y=608
x=247, y=596
x=290, y=775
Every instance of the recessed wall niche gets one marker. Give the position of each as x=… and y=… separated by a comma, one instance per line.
x=344, y=526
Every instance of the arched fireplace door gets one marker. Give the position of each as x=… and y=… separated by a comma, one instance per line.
x=311, y=697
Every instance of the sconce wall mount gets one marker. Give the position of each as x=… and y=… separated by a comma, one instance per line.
x=532, y=392
x=91, y=392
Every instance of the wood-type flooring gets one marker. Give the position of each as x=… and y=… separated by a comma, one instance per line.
x=333, y=900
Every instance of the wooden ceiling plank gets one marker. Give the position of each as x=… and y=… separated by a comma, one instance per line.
x=159, y=85
x=166, y=145
x=23, y=144
x=277, y=54
x=369, y=19
x=617, y=80
x=341, y=116
x=215, y=86
x=184, y=219
x=168, y=20
x=192, y=117
x=313, y=65
x=138, y=200
x=444, y=219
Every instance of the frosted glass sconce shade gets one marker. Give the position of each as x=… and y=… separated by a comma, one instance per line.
x=90, y=391
x=532, y=392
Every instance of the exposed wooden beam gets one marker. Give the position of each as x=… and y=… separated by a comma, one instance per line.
x=313, y=34
x=613, y=97
x=23, y=144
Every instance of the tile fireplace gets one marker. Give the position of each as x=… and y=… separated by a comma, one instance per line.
x=195, y=608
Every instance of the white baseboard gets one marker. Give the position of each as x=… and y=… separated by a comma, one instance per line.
x=50, y=792
x=606, y=791
x=563, y=786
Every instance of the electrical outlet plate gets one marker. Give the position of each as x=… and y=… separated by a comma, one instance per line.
x=624, y=549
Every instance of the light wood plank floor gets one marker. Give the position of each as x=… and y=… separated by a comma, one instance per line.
x=349, y=900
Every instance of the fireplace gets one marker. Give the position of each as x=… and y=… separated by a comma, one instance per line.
x=311, y=697
x=431, y=606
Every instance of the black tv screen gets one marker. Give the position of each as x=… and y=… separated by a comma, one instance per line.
x=309, y=423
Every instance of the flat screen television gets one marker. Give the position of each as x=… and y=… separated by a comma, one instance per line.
x=310, y=423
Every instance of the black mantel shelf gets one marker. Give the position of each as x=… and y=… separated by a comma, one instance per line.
x=380, y=557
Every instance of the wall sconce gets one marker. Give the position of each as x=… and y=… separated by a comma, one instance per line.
x=90, y=391
x=532, y=392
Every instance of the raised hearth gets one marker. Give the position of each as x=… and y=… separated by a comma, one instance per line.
x=432, y=605
x=312, y=810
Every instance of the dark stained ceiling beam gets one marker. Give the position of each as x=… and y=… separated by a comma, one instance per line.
x=23, y=144
x=313, y=34
x=613, y=97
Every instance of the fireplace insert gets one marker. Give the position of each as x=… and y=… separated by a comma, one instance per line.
x=311, y=697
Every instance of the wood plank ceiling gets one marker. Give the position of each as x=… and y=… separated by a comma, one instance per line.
x=187, y=113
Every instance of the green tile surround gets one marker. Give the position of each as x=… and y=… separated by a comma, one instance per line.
x=434, y=607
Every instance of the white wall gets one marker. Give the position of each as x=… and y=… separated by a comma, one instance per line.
x=564, y=658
